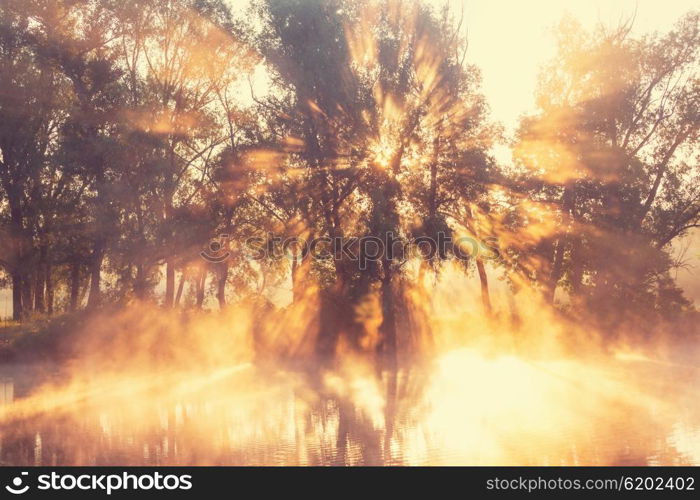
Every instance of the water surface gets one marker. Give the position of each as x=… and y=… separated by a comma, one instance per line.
x=464, y=409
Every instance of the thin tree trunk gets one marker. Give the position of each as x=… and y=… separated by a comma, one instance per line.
x=49, y=288
x=432, y=199
x=17, y=312
x=95, y=297
x=557, y=265
x=568, y=201
x=28, y=296
x=483, y=280
x=140, y=282
x=169, y=284
x=39, y=298
x=84, y=288
x=576, y=267
x=180, y=287
x=295, y=278
x=201, y=282
x=221, y=285
x=17, y=224
x=300, y=269
x=388, y=326
x=74, y=285
x=39, y=301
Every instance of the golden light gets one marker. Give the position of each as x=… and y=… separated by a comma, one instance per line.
x=521, y=384
x=382, y=152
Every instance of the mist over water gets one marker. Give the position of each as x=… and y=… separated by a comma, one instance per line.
x=245, y=417
x=179, y=400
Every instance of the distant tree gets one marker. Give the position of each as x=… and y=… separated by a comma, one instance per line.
x=180, y=57
x=613, y=153
x=29, y=106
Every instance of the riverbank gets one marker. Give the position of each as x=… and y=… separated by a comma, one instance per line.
x=39, y=340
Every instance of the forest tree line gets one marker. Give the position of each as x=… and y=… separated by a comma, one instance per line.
x=134, y=131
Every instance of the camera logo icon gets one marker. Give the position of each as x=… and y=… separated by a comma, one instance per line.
x=16, y=487
x=217, y=250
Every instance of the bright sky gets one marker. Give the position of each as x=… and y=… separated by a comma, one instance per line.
x=510, y=39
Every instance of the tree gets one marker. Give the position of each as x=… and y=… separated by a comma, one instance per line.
x=180, y=58
x=29, y=107
x=375, y=89
x=611, y=151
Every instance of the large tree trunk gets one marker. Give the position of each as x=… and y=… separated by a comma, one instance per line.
x=27, y=293
x=332, y=316
x=483, y=280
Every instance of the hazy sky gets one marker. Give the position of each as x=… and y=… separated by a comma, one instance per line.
x=510, y=39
